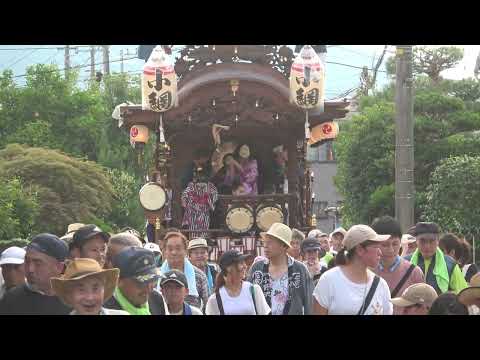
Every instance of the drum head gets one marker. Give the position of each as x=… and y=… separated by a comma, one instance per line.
x=268, y=215
x=239, y=219
x=152, y=197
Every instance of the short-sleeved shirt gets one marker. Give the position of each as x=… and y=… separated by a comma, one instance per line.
x=340, y=296
x=21, y=300
x=396, y=272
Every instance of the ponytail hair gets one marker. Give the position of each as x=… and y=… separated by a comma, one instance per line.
x=345, y=256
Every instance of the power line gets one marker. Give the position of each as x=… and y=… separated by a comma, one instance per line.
x=22, y=58
x=353, y=66
x=80, y=66
x=42, y=48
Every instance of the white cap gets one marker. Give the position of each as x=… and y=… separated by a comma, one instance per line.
x=13, y=255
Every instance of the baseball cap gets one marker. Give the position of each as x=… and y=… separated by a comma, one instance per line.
x=312, y=243
x=231, y=257
x=339, y=230
x=137, y=263
x=50, y=245
x=197, y=243
x=12, y=255
x=419, y=293
x=316, y=233
x=426, y=228
x=176, y=276
x=358, y=234
x=87, y=232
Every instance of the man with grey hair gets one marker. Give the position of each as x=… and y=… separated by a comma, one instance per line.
x=117, y=243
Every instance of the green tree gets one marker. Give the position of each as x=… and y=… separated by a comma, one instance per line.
x=451, y=199
x=69, y=189
x=50, y=111
x=18, y=209
x=430, y=61
x=126, y=209
x=444, y=127
x=365, y=154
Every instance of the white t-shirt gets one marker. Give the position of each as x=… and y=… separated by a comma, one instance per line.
x=240, y=305
x=340, y=296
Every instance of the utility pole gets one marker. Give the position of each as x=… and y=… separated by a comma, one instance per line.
x=67, y=60
x=404, y=155
x=106, y=59
x=92, y=62
x=121, y=61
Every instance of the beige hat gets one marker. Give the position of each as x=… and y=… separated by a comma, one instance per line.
x=408, y=239
x=339, y=230
x=419, y=293
x=279, y=231
x=71, y=231
x=316, y=233
x=197, y=243
x=359, y=234
x=471, y=295
x=82, y=268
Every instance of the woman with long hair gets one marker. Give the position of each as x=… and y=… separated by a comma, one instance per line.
x=233, y=295
x=351, y=288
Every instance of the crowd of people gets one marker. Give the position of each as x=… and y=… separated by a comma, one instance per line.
x=367, y=270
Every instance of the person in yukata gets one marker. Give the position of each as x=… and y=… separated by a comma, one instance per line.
x=245, y=168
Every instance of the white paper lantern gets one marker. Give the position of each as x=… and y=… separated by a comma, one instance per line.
x=159, y=82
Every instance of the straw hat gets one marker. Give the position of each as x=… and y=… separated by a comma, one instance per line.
x=71, y=231
x=82, y=268
x=471, y=295
x=279, y=231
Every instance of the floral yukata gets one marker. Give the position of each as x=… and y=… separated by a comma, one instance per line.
x=248, y=177
x=198, y=199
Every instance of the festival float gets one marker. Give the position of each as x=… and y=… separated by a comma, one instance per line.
x=220, y=97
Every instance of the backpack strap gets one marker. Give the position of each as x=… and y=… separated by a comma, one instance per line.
x=252, y=291
x=286, y=309
x=219, y=302
x=403, y=280
x=268, y=297
x=369, y=297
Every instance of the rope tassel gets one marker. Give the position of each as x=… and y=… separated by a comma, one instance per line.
x=162, y=135
x=307, y=126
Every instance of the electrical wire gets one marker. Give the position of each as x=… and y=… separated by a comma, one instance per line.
x=353, y=66
x=82, y=66
x=22, y=58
